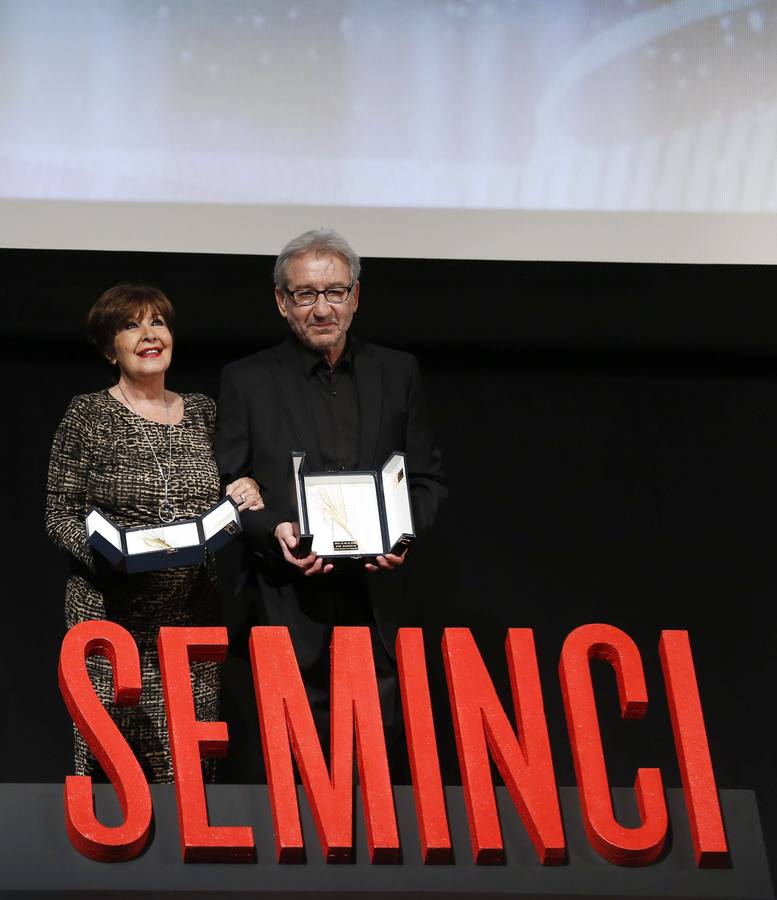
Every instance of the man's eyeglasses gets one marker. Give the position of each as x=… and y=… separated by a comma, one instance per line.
x=308, y=296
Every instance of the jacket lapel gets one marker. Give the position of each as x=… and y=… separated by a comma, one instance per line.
x=293, y=394
x=370, y=389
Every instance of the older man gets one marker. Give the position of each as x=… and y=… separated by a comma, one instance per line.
x=348, y=404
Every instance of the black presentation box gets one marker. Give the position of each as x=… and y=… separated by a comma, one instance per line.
x=353, y=515
x=147, y=548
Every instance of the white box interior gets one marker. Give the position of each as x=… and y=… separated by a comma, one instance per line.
x=218, y=517
x=166, y=537
x=396, y=496
x=97, y=523
x=343, y=508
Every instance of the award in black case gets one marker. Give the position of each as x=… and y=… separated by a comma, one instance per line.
x=353, y=514
x=146, y=548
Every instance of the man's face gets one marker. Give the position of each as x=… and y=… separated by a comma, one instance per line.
x=322, y=326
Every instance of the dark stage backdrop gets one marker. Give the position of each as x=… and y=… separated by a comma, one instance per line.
x=609, y=432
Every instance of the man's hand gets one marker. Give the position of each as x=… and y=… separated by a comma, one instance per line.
x=386, y=563
x=310, y=564
x=245, y=492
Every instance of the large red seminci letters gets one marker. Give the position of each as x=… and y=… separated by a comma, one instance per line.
x=482, y=728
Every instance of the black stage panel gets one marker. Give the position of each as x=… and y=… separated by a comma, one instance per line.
x=36, y=858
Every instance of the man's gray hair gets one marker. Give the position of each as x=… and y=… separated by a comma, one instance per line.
x=319, y=240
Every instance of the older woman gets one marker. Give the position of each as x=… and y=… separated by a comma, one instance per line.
x=142, y=454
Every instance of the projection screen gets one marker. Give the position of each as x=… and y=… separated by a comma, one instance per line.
x=577, y=130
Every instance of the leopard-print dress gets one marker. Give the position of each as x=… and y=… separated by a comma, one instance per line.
x=101, y=457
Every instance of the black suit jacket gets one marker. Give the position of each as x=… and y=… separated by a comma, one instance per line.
x=263, y=415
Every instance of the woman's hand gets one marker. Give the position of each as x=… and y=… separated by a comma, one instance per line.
x=245, y=492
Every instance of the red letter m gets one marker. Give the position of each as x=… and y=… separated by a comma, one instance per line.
x=287, y=725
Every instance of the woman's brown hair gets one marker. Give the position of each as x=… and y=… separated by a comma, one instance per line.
x=121, y=304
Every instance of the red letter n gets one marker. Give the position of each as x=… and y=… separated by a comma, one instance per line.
x=480, y=724
x=285, y=718
x=86, y=833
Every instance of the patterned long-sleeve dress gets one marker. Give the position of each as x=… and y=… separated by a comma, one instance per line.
x=101, y=457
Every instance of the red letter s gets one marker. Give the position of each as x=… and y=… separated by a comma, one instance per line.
x=86, y=833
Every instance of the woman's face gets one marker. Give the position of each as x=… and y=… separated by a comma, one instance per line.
x=144, y=346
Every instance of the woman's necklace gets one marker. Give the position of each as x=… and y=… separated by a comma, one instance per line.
x=167, y=511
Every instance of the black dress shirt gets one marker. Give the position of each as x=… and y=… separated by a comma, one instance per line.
x=334, y=403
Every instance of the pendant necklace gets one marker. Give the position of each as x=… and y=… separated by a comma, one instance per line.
x=167, y=511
